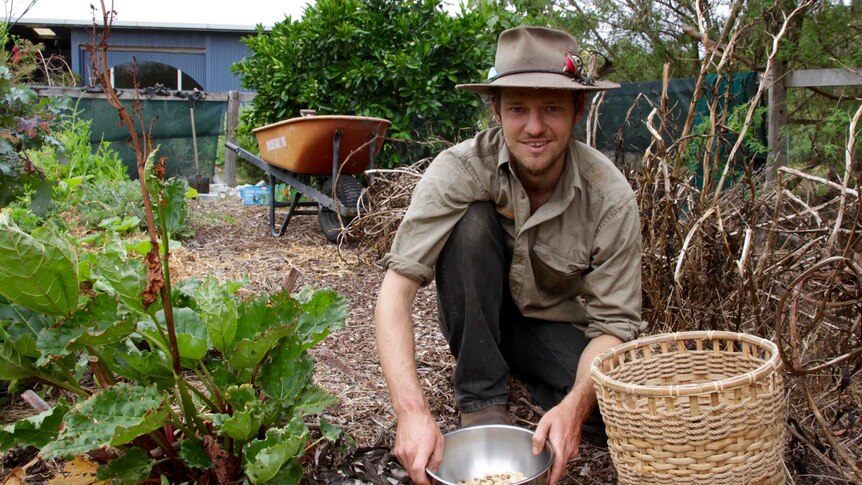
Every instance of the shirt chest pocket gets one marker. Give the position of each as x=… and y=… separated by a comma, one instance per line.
x=557, y=273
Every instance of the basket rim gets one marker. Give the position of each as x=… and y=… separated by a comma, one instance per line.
x=773, y=364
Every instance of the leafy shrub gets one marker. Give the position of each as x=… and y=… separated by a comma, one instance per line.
x=249, y=360
x=99, y=200
x=392, y=59
x=25, y=122
x=73, y=155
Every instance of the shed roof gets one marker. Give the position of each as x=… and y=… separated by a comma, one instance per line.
x=37, y=22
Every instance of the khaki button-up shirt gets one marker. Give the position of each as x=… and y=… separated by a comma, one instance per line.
x=576, y=259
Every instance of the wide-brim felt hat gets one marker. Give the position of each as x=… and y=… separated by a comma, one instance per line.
x=541, y=58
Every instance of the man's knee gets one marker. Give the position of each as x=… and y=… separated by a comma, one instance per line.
x=478, y=228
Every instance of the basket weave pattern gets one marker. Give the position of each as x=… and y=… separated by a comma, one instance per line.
x=693, y=407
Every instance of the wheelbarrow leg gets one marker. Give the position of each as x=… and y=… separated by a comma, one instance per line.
x=272, y=206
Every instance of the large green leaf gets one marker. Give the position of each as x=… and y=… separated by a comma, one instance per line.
x=39, y=272
x=239, y=396
x=290, y=473
x=23, y=327
x=143, y=367
x=115, y=416
x=222, y=374
x=314, y=400
x=106, y=333
x=104, y=326
x=287, y=373
x=251, y=314
x=191, y=347
x=56, y=342
x=36, y=430
x=192, y=338
x=120, y=277
x=175, y=201
x=249, y=413
x=265, y=312
x=12, y=364
x=186, y=321
x=242, y=425
x=322, y=312
x=218, y=309
x=133, y=465
x=262, y=323
x=263, y=459
x=193, y=454
x=249, y=352
x=330, y=431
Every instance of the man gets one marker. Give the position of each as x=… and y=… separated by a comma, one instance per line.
x=535, y=242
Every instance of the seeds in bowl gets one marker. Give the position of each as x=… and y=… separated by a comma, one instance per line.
x=495, y=479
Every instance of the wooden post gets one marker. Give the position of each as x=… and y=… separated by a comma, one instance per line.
x=230, y=135
x=776, y=119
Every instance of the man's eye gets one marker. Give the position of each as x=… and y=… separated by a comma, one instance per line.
x=554, y=109
x=516, y=109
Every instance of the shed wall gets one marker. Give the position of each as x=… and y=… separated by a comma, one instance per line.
x=205, y=56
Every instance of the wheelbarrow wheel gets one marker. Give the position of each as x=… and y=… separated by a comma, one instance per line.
x=349, y=192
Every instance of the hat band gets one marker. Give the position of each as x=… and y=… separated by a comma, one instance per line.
x=573, y=70
x=525, y=71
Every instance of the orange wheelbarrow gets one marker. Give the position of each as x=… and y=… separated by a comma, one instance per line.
x=310, y=154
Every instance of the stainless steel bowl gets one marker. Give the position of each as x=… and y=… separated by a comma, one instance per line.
x=479, y=451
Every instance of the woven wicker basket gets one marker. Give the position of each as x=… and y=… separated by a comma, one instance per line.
x=693, y=407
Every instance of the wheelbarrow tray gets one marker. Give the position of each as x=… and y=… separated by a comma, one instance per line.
x=304, y=145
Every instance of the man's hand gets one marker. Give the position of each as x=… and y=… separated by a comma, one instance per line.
x=418, y=445
x=418, y=442
x=561, y=426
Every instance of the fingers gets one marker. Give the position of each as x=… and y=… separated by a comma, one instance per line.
x=436, y=456
x=539, y=437
x=557, y=470
x=418, y=444
x=415, y=459
x=417, y=469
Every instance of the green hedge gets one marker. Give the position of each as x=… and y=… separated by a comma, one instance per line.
x=392, y=59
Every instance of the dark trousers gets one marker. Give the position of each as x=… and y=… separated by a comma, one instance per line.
x=487, y=334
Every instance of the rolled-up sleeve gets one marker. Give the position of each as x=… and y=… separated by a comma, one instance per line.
x=612, y=290
x=439, y=200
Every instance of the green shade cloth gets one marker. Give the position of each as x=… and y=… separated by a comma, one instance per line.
x=171, y=132
x=614, y=133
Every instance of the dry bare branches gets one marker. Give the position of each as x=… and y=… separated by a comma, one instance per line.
x=723, y=249
x=390, y=191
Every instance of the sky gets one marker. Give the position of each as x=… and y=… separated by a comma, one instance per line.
x=213, y=12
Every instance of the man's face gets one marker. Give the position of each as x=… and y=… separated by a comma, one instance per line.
x=537, y=125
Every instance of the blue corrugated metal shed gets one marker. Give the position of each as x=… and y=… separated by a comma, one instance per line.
x=203, y=52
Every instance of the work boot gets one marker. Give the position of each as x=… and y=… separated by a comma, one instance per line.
x=490, y=415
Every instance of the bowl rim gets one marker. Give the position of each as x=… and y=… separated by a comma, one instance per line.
x=548, y=446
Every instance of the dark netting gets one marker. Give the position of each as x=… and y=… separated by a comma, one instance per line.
x=171, y=132
x=620, y=130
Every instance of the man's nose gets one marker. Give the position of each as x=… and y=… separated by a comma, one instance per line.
x=535, y=123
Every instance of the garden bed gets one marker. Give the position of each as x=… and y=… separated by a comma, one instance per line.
x=232, y=242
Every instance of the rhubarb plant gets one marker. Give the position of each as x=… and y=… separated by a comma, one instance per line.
x=154, y=380
x=235, y=410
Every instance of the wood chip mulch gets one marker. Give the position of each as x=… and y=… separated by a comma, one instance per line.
x=232, y=241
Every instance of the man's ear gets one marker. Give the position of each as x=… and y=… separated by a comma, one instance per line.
x=495, y=109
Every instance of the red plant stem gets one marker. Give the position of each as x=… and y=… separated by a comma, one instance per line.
x=98, y=52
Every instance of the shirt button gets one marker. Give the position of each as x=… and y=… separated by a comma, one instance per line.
x=523, y=195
